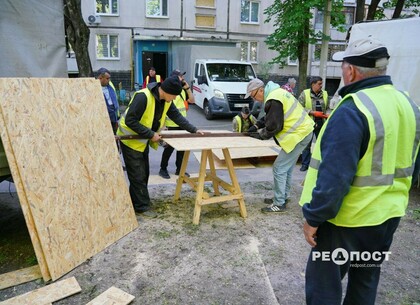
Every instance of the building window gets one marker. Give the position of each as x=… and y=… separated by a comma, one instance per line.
x=348, y=12
x=206, y=21
x=107, y=46
x=249, y=51
x=250, y=11
x=204, y=3
x=157, y=8
x=332, y=48
x=107, y=7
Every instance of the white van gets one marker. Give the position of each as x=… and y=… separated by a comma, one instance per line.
x=219, y=87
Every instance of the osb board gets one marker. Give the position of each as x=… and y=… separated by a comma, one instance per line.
x=36, y=243
x=112, y=296
x=46, y=294
x=198, y=143
x=251, y=152
x=20, y=276
x=68, y=162
x=221, y=164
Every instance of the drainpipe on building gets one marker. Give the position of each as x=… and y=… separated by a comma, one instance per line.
x=131, y=60
x=182, y=19
x=228, y=14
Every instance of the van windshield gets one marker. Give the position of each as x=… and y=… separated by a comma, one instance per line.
x=222, y=72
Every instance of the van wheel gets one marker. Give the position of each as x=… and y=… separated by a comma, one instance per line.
x=207, y=111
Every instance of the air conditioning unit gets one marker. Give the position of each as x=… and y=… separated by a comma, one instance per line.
x=94, y=19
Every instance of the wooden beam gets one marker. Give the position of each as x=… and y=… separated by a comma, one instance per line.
x=190, y=135
x=20, y=276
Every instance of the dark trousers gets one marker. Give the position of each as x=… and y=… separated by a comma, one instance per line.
x=167, y=152
x=306, y=153
x=137, y=166
x=323, y=277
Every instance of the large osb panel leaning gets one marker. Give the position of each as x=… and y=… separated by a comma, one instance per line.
x=68, y=163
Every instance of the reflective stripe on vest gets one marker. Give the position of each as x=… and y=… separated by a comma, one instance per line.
x=146, y=120
x=297, y=124
x=380, y=187
x=179, y=103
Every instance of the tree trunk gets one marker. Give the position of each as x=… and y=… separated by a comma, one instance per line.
x=303, y=58
x=78, y=35
x=398, y=9
x=360, y=10
x=372, y=9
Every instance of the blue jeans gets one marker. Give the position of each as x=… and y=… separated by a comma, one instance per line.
x=283, y=168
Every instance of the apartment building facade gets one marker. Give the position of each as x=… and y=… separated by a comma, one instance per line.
x=129, y=36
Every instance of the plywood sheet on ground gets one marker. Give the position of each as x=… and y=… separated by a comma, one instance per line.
x=46, y=294
x=112, y=296
x=67, y=159
x=220, y=164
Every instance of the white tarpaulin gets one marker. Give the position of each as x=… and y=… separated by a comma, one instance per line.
x=401, y=37
x=32, y=39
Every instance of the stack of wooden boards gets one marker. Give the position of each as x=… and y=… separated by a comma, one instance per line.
x=66, y=168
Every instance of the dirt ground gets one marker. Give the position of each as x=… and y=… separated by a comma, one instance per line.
x=224, y=260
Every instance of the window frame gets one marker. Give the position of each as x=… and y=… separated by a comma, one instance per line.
x=110, y=5
x=160, y=9
x=109, y=46
x=248, y=51
x=250, y=12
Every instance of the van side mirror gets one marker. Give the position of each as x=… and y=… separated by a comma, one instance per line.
x=201, y=79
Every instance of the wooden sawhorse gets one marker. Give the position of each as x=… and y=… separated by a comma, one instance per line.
x=197, y=184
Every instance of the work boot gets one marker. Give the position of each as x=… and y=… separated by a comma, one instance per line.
x=164, y=174
x=303, y=168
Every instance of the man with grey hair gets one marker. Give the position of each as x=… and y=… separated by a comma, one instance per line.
x=356, y=188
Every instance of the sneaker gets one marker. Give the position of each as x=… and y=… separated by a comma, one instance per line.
x=303, y=168
x=164, y=174
x=185, y=174
x=274, y=209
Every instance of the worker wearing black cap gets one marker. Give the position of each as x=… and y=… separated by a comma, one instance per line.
x=243, y=121
x=145, y=116
x=181, y=102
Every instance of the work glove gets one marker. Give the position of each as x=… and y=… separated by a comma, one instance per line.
x=253, y=128
x=318, y=114
x=255, y=135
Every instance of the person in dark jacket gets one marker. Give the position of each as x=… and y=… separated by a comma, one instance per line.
x=145, y=116
x=110, y=96
x=356, y=188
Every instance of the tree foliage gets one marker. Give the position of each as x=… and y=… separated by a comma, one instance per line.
x=293, y=33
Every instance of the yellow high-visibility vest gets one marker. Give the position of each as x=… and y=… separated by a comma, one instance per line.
x=380, y=187
x=146, y=120
x=297, y=124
